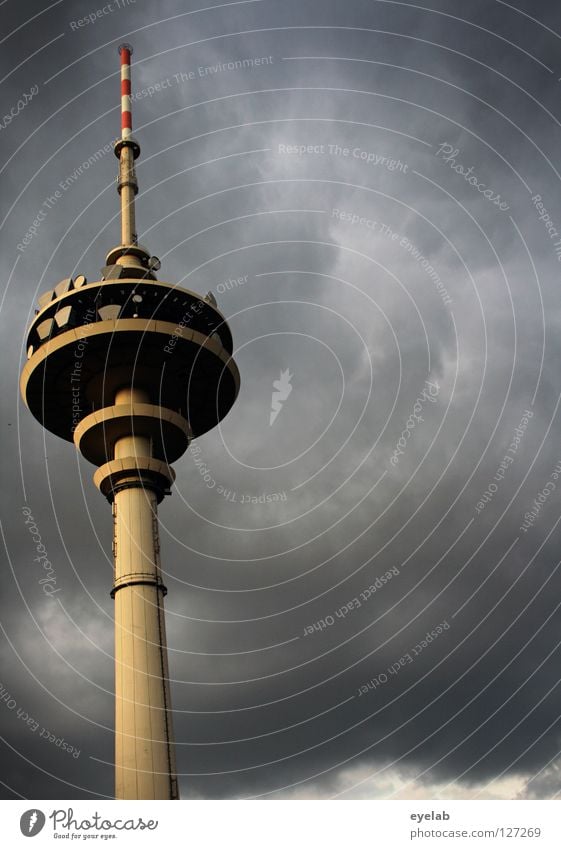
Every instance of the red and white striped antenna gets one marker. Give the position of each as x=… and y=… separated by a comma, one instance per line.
x=127, y=150
x=125, y=51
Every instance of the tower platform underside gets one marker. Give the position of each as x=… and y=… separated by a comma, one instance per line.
x=88, y=343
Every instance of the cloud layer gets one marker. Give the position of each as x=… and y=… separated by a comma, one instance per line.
x=330, y=173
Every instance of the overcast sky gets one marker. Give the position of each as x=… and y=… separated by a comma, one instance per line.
x=373, y=196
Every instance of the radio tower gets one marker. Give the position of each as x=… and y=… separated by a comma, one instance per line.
x=130, y=369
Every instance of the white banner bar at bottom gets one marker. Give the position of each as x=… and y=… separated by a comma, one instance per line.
x=330, y=824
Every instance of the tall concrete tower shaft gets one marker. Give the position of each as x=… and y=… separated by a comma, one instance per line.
x=130, y=369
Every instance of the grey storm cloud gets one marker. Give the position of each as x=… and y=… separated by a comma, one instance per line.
x=326, y=197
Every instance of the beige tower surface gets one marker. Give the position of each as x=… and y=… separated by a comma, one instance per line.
x=130, y=369
x=144, y=753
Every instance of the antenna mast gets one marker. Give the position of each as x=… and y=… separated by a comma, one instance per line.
x=127, y=150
